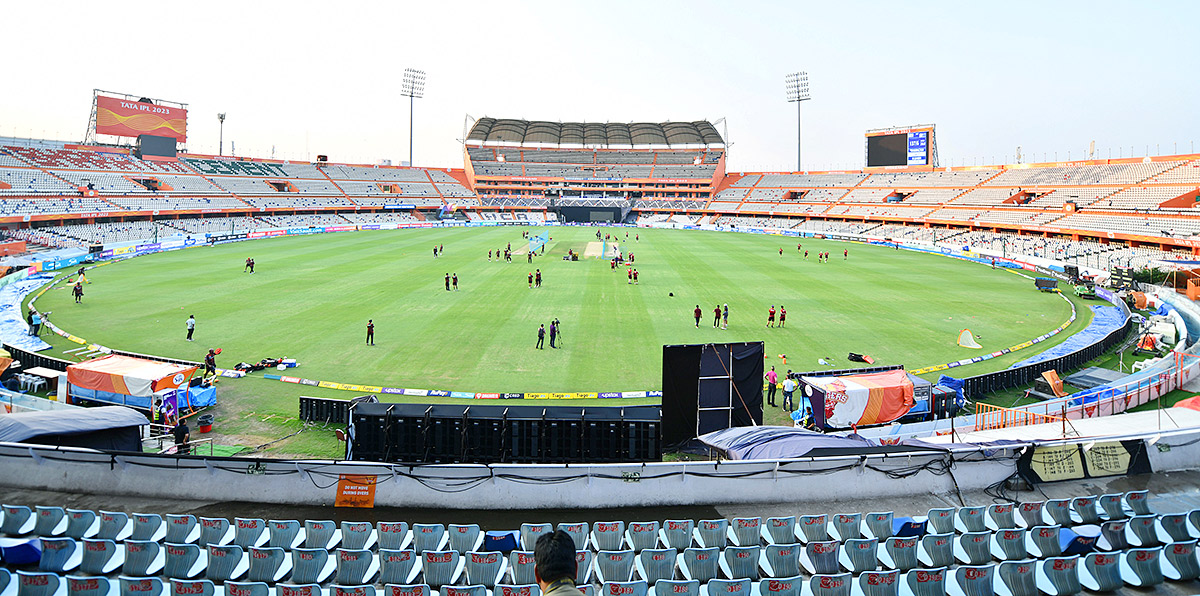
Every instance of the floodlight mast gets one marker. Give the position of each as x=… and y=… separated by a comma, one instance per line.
x=221, y=142
x=412, y=86
x=796, y=85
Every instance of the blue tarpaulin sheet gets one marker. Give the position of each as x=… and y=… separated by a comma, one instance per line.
x=1105, y=320
x=13, y=329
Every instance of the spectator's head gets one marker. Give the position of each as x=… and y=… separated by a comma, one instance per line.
x=554, y=558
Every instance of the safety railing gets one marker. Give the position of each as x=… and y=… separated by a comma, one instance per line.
x=989, y=417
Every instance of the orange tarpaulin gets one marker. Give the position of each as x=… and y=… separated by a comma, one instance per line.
x=1192, y=402
x=128, y=375
x=850, y=400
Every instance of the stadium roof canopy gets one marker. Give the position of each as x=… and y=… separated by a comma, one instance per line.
x=503, y=131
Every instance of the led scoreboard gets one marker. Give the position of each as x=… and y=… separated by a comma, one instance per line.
x=907, y=146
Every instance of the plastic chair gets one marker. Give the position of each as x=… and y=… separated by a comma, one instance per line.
x=741, y=562
x=859, y=555
x=520, y=565
x=1017, y=578
x=1101, y=572
x=141, y=586
x=745, y=531
x=484, y=569
x=1142, y=530
x=1010, y=545
x=250, y=532
x=712, y=532
x=8, y=586
x=148, y=526
x=114, y=525
x=909, y=527
x=1179, y=561
x=972, y=580
x=677, y=533
x=899, y=553
x=614, y=565
x=215, y=530
x=878, y=525
x=1058, y=576
x=781, y=560
x=1078, y=540
x=249, y=588
x=640, y=536
x=924, y=582
x=1031, y=513
x=51, y=521
x=821, y=557
x=1000, y=516
x=143, y=558
x=60, y=555
x=285, y=533
x=198, y=587
x=1084, y=510
x=583, y=567
x=311, y=565
x=407, y=590
x=779, y=530
x=531, y=532
x=322, y=534
x=268, y=564
x=626, y=588
x=608, y=536
x=514, y=590
x=1173, y=527
x=90, y=586
x=1193, y=518
x=355, y=566
x=655, y=564
x=101, y=557
x=393, y=535
x=670, y=587
x=298, y=590
x=721, y=587
x=398, y=566
x=1058, y=512
x=463, y=538
x=936, y=550
x=441, y=568
x=1042, y=541
x=83, y=523
x=700, y=564
x=829, y=585
x=973, y=548
x=363, y=590
x=844, y=526
x=1113, y=506
x=1137, y=501
x=1141, y=567
x=813, y=528
x=941, y=519
x=970, y=519
x=578, y=531
x=877, y=583
x=475, y=590
x=184, y=561
x=1112, y=535
x=226, y=563
x=181, y=529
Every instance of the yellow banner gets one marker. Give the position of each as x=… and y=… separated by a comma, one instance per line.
x=328, y=385
x=537, y=396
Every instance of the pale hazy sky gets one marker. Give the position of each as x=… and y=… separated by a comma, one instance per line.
x=303, y=78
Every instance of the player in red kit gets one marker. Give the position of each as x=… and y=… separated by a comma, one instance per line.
x=698, y=314
x=782, y=316
x=771, y=316
x=629, y=273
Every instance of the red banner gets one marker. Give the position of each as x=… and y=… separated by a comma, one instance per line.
x=126, y=118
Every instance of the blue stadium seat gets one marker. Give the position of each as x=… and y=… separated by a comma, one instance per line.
x=285, y=533
x=393, y=535
x=1137, y=500
x=878, y=525
x=1101, y=572
x=677, y=533
x=91, y=586
x=1113, y=506
x=654, y=564
x=1173, y=527
x=941, y=519
x=1031, y=513
x=249, y=588
x=268, y=564
x=1083, y=510
x=700, y=564
x=970, y=519
x=531, y=532
x=906, y=527
x=311, y=566
x=813, y=528
x=215, y=530
x=1112, y=535
x=51, y=521
x=844, y=526
x=181, y=529
x=82, y=523
x=1142, y=567
x=1179, y=561
x=1017, y=578
x=101, y=557
x=226, y=563
x=877, y=583
x=924, y=582
x=355, y=567
x=781, y=560
x=463, y=538
x=1142, y=530
x=973, y=548
x=671, y=587
x=779, y=530
x=143, y=558
x=745, y=531
x=740, y=562
x=626, y=588
x=609, y=535
x=520, y=565
x=18, y=520
x=148, y=526
x=1000, y=516
x=899, y=553
x=712, y=532
x=972, y=580
x=1078, y=540
x=1058, y=512
x=141, y=586
x=441, y=568
x=322, y=534
x=39, y=583
x=828, y=585
x=1010, y=545
x=821, y=557
x=398, y=566
x=722, y=587
x=184, y=561
x=250, y=532
x=60, y=555
x=936, y=550
x=640, y=536
x=1059, y=576
x=187, y=587
x=614, y=565
x=115, y=526
x=859, y=555
x=514, y=590
x=578, y=531
x=485, y=569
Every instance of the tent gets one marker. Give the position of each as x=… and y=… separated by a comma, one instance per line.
x=784, y=442
x=128, y=381
x=113, y=428
x=858, y=399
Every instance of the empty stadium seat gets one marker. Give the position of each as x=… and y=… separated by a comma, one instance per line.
x=936, y=550
x=141, y=586
x=614, y=565
x=1173, y=527
x=740, y=562
x=583, y=567
x=624, y=588
x=844, y=526
x=924, y=582
x=101, y=557
x=813, y=528
x=51, y=521
x=899, y=553
x=82, y=523
x=367, y=590
x=654, y=564
x=1084, y=510
x=215, y=530
x=181, y=529
x=1142, y=530
x=745, y=531
x=1031, y=513
x=323, y=534
x=8, y=585
x=1000, y=516
x=199, y=587
x=60, y=555
x=311, y=565
x=973, y=548
x=227, y=562
x=1100, y=572
x=441, y=568
x=91, y=586
x=184, y=561
x=249, y=532
x=393, y=535
x=486, y=569
x=700, y=564
x=407, y=590
x=877, y=583
x=1136, y=500
x=970, y=519
x=779, y=530
x=609, y=536
x=859, y=555
x=36, y=583
x=247, y=588
x=578, y=531
x=670, y=587
x=781, y=560
x=1016, y=578
x=1009, y=545
x=1043, y=541
x=299, y=590
x=677, y=533
x=1058, y=512
x=828, y=585
x=18, y=520
x=148, y=526
x=515, y=590
x=942, y=519
x=475, y=590
x=642, y=535
x=1141, y=567
x=1179, y=561
x=463, y=538
x=971, y=580
x=398, y=566
x=355, y=566
x=143, y=558
x=520, y=564
x=1058, y=576
x=821, y=557
x=712, y=533
x=1113, y=506
x=531, y=532
x=286, y=533
x=268, y=564
x=878, y=525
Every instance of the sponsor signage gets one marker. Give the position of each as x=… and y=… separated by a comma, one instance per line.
x=125, y=118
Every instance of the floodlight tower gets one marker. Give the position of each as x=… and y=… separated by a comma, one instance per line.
x=221, y=142
x=412, y=86
x=796, y=84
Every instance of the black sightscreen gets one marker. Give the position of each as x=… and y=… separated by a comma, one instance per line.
x=887, y=150
x=156, y=146
x=710, y=387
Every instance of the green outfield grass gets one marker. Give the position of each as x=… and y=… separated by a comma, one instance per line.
x=311, y=296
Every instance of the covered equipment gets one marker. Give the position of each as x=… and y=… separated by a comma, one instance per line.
x=133, y=382
x=111, y=428
x=858, y=399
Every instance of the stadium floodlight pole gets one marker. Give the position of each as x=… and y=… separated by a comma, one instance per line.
x=412, y=86
x=221, y=141
x=796, y=84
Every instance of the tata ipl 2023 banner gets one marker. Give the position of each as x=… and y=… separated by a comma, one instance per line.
x=125, y=118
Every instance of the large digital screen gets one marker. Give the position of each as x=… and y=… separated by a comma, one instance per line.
x=125, y=118
x=904, y=147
